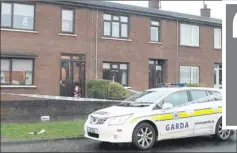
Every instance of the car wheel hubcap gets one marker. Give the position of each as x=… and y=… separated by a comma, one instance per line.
x=224, y=134
x=144, y=137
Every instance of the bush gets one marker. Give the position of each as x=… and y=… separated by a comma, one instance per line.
x=98, y=88
x=196, y=85
x=105, y=89
x=116, y=91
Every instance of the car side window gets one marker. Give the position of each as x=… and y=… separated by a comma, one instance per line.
x=208, y=93
x=178, y=98
x=197, y=94
x=215, y=93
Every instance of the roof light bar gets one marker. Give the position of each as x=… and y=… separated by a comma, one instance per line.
x=172, y=85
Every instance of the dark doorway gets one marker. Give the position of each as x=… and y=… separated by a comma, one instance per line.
x=155, y=73
x=72, y=75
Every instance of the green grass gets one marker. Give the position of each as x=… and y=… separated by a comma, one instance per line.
x=62, y=129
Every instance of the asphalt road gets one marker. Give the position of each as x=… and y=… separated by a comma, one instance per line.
x=198, y=144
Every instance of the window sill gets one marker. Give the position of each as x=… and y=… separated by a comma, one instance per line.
x=67, y=34
x=18, y=30
x=156, y=42
x=189, y=46
x=121, y=39
x=127, y=87
x=218, y=49
x=18, y=86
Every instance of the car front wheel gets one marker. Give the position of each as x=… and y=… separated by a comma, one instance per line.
x=222, y=134
x=144, y=136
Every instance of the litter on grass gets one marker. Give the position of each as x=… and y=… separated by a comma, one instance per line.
x=40, y=132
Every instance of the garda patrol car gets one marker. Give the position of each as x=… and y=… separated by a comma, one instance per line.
x=159, y=114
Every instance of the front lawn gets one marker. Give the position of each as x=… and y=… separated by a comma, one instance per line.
x=62, y=129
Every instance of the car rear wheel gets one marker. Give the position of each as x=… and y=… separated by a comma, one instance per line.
x=222, y=134
x=144, y=136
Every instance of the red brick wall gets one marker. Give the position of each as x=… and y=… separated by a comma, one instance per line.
x=48, y=45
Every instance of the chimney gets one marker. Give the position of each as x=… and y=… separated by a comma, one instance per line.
x=206, y=12
x=154, y=4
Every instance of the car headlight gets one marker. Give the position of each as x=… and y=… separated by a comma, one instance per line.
x=118, y=120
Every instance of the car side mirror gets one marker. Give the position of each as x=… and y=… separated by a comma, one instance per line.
x=167, y=106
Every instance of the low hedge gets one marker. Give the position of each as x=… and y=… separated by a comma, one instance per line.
x=105, y=89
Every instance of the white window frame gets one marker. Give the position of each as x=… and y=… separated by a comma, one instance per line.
x=155, y=26
x=217, y=82
x=73, y=20
x=187, y=35
x=217, y=38
x=191, y=70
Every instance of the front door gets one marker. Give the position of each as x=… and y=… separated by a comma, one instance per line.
x=218, y=76
x=72, y=76
x=155, y=73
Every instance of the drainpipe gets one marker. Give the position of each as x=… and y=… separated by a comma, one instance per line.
x=96, y=46
x=177, y=52
x=91, y=45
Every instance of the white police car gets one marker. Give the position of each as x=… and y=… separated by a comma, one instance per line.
x=159, y=114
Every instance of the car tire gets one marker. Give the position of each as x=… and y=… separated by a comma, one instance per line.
x=220, y=133
x=144, y=136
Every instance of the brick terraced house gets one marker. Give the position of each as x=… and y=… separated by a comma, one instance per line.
x=48, y=47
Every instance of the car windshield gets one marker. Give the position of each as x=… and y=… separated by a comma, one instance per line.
x=144, y=98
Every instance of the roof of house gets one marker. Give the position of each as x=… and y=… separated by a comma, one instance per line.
x=152, y=12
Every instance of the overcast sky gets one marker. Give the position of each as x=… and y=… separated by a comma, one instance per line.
x=189, y=7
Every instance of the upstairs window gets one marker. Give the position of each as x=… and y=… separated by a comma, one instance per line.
x=217, y=38
x=189, y=35
x=17, y=16
x=155, y=31
x=6, y=15
x=115, y=26
x=67, y=21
